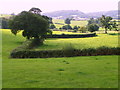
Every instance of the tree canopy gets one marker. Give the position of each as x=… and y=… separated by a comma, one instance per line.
x=105, y=22
x=93, y=27
x=93, y=21
x=67, y=21
x=35, y=10
x=32, y=25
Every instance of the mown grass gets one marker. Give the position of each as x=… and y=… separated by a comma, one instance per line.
x=72, y=72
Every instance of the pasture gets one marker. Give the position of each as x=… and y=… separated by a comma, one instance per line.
x=72, y=72
x=73, y=23
x=80, y=43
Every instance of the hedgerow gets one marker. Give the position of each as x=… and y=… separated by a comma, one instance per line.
x=65, y=53
x=71, y=35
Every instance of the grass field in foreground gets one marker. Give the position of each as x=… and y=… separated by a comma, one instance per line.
x=72, y=72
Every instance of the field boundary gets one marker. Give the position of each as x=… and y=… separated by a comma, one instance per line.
x=65, y=53
x=71, y=35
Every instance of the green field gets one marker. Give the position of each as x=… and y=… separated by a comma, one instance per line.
x=72, y=72
x=80, y=43
x=73, y=23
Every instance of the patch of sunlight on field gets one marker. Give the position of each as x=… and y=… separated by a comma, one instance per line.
x=9, y=31
x=79, y=23
x=64, y=32
x=81, y=43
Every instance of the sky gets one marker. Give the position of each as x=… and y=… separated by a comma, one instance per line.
x=86, y=6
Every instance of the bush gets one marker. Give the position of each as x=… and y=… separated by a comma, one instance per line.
x=28, y=44
x=71, y=35
x=93, y=27
x=52, y=26
x=76, y=27
x=66, y=27
x=66, y=52
x=82, y=29
x=49, y=32
x=4, y=23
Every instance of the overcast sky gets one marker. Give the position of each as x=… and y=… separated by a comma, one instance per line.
x=16, y=6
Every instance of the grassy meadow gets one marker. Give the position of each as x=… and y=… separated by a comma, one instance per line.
x=73, y=23
x=71, y=72
x=107, y=40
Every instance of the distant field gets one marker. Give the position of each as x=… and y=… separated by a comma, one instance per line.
x=73, y=23
x=4, y=15
x=65, y=32
x=72, y=72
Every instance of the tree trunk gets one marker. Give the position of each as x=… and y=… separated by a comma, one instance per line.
x=105, y=30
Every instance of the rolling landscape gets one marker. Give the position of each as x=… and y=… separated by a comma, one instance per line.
x=64, y=49
x=63, y=14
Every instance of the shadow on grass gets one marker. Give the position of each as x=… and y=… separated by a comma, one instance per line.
x=114, y=34
x=19, y=42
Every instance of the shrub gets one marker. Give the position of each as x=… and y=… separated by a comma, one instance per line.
x=66, y=27
x=71, y=35
x=52, y=26
x=93, y=27
x=82, y=29
x=76, y=27
x=66, y=52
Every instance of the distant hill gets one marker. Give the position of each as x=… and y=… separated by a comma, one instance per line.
x=62, y=14
x=66, y=13
x=113, y=13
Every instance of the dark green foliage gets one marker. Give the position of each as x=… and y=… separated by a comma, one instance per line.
x=61, y=53
x=52, y=26
x=49, y=32
x=68, y=50
x=105, y=22
x=29, y=44
x=49, y=19
x=71, y=35
x=115, y=25
x=83, y=29
x=92, y=27
x=93, y=21
x=76, y=27
x=66, y=27
x=67, y=21
x=4, y=23
x=35, y=10
x=33, y=25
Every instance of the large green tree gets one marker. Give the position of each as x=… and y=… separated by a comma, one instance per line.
x=105, y=22
x=93, y=27
x=93, y=21
x=32, y=25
